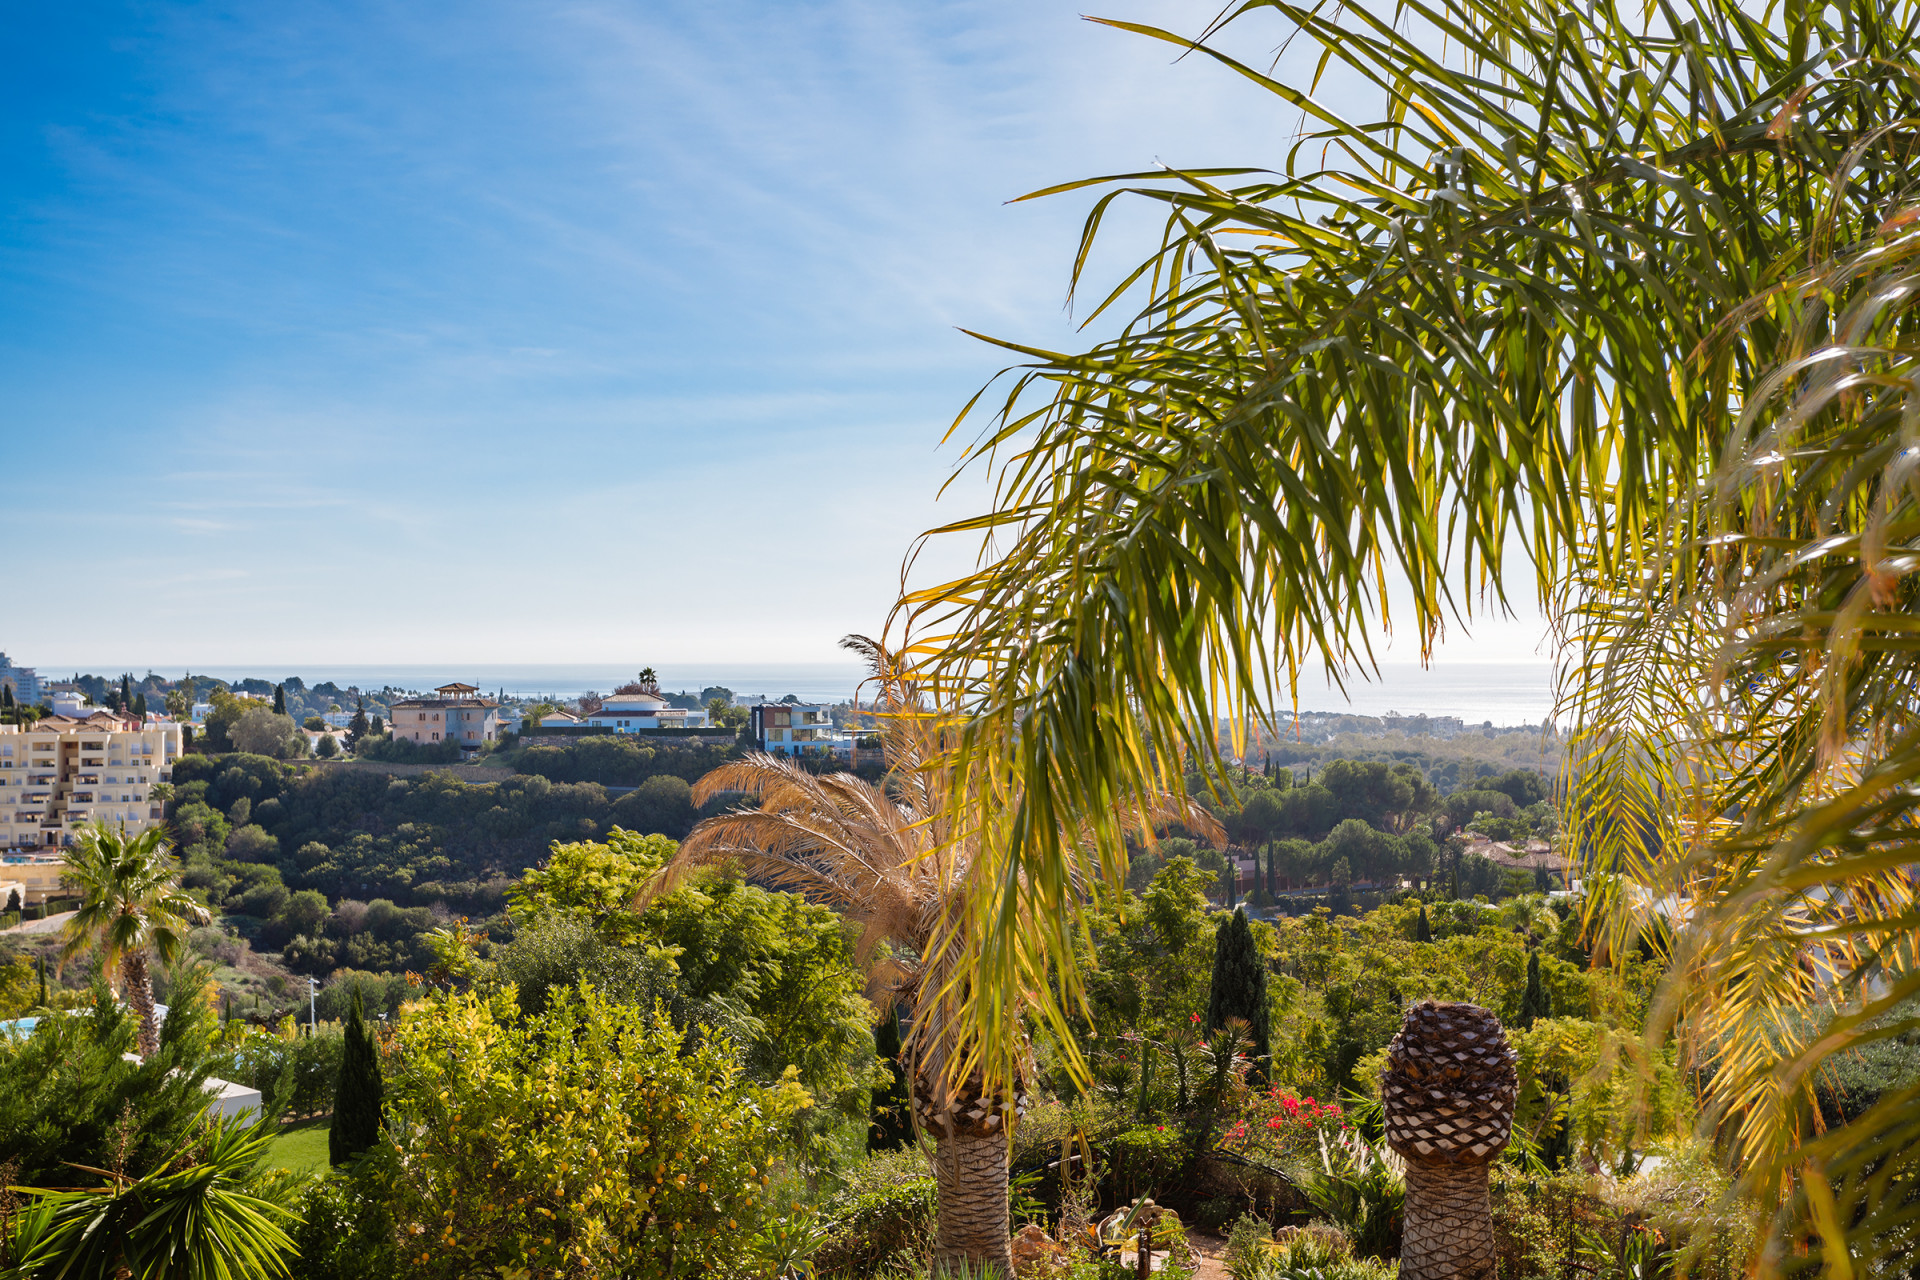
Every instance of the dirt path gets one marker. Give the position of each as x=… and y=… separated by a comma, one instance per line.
x=48, y=925
x=1210, y=1247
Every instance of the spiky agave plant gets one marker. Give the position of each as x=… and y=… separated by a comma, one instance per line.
x=890, y=858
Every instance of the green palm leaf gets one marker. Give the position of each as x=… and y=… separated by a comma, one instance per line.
x=191, y=1219
x=1530, y=306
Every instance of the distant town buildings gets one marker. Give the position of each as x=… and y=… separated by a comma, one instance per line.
x=456, y=712
x=22, y=680
x=64, y=771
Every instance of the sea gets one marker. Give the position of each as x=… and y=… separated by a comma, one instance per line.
x=1503, y=694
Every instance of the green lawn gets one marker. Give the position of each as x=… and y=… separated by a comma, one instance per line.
x=300, y=1147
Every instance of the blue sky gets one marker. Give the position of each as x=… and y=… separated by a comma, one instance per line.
x=360, y=333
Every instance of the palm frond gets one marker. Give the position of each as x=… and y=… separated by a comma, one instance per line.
x=1533, y=301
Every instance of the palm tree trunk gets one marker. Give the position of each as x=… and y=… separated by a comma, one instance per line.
x=971, y=1172
x=138, y=984
x=1449, y=1223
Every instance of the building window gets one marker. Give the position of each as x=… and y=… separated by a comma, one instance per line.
x=436, y=737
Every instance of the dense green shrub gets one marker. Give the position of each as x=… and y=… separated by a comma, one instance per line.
x=592, y=1139
x=294, y=1070
x=69, y=1094
x=618, y=760
x=1144, y=1161
x=869, y=1230
x=345, y=1231
x=394, y=750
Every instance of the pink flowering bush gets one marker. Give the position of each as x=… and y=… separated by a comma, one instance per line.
x=1276, y=1127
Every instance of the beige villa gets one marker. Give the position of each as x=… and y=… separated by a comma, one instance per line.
x=456, y=712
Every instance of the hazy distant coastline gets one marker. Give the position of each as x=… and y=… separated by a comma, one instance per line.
x=1508, y=693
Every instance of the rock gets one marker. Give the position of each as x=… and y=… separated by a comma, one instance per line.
x=1035, y=1252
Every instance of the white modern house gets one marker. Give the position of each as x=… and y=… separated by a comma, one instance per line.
x=795, y=728
x=631, y=712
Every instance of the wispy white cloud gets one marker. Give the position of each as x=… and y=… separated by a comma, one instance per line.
x=530, y=301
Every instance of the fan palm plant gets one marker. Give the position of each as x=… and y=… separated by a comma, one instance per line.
x=195, y=1217
x=131, y=904
x=891, y=860
x=1512, y=332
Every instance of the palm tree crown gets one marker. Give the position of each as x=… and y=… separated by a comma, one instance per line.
x=131, y=904
x=896, y=860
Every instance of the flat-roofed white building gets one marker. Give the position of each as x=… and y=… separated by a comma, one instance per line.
x=791, y=729
x=62, y=772
x=632, y=712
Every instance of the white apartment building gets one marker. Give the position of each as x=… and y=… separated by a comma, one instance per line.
x=62, y=772
x=24, y=683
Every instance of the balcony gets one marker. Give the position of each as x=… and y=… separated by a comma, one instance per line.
x=88, y=779
x=83, y=797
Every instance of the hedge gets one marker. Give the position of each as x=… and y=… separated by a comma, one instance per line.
x=867, y=1230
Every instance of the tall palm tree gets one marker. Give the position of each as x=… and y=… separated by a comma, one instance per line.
x=894, y=859
x=1531, y=302
x=131, y=904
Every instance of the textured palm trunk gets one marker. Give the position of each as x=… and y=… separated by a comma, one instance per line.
x=1448, y=1092
x=1449, y=1223
x=971, y=1171
x=138, y=984
x=969, y=1131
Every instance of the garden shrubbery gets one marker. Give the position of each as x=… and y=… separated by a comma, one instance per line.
x=870, y=1229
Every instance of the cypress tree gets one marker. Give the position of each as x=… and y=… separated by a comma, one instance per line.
x=359, y=726
x=43, y=982
x=1239, y=989
x=356, y=1101
x=1535, y=1002
x=890, y=1124
x=279, y=699
x=1422, y=931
